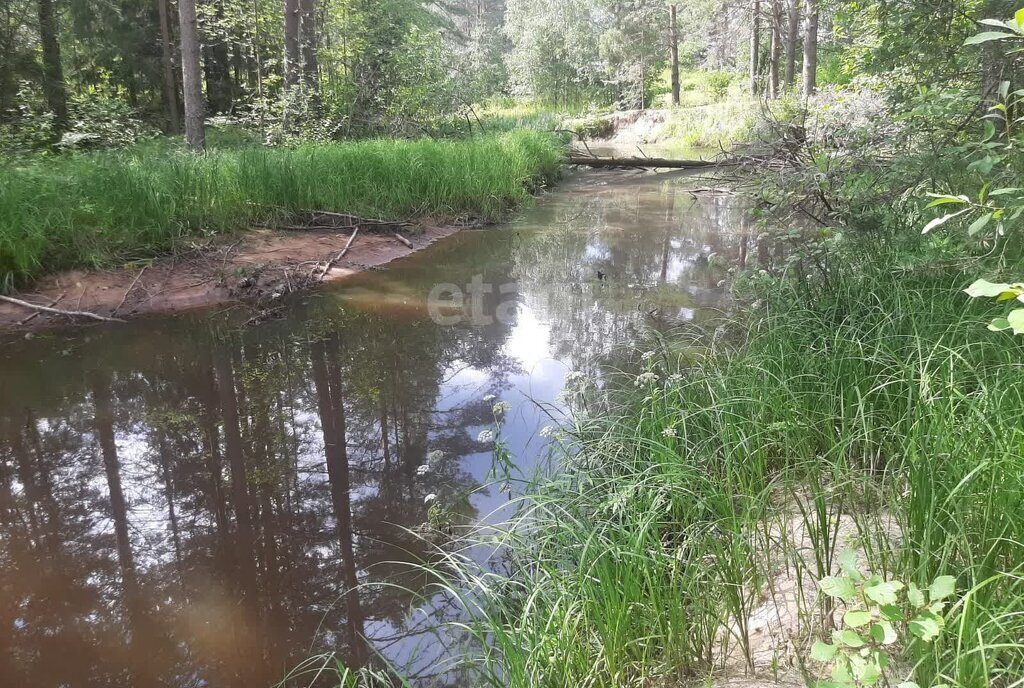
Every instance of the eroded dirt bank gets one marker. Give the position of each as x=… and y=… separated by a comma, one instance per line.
x=255, y=269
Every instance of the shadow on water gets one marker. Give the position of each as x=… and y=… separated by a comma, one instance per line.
x=186, y=502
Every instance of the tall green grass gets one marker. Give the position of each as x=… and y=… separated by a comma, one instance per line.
x=100, y=209
x=877, y=398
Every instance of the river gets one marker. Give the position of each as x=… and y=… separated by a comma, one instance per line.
x=192, y=502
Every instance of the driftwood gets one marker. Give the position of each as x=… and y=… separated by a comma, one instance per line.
x=405, y=241
x=58, y=311
x=651, y=163
x=341, y=254
x=33, y=316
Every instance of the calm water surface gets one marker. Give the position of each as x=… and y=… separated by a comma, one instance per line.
x=188, y=502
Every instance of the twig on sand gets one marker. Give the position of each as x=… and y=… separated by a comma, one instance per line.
x=227, y=253
x=341, y=254
x=405, y=241
x=57, y=311
x=35, y=315
x=129, y=289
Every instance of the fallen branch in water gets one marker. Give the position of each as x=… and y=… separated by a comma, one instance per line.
x=405, y=241
x=58, y=311
x=651, y=163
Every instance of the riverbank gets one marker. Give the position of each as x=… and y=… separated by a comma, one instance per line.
x=118, y=208
x=831, y=485
x=256, y=269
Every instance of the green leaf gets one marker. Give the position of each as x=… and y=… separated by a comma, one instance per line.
x=1005, y=191
x=979, y=224
x=999, y=324
x=855, y=618
x=1018, y=17
x=848, y=564
x=926, y=627
x=985, y=289
x=849, y=638
x=838, y=586
x=877, y=633
x=883, y=593
x=986, y=36
x=990, y=130
x=915, y=595
x=883, y=633
x=870, y=674
x=841, y=670
x=893, y=613
x=822, y=652
x=946, y=200
x=941, y=588
x=983, y=165
x=1016, y=320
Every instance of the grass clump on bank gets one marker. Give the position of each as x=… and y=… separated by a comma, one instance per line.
x=95, y=210
x=872, y=413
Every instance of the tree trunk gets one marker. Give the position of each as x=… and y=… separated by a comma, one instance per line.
x=776, y=48
x=673, y=37
x=331, y=409
x=308, y=44
x=191, y=76
x=104, y=424
x=791, y=41
x=53, y=73
x=292, y=48
x=219, y=91
x=170, y=83
x=244, y=544
x=755, y=46
x=810, y=47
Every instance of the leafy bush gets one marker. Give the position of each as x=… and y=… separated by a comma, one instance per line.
x=876, y=610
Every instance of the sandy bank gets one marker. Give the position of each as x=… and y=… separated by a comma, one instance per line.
x=256, y=269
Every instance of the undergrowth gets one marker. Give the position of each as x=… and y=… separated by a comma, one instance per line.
x=102, y=209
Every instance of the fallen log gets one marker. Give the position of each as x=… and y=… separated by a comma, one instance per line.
x=58, y=311
x=405, y=241
x=649, y=163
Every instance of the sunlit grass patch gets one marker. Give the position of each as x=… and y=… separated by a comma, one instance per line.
x=874, y=412
x=98, y=209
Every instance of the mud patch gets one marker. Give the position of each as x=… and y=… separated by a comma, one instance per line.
x=255, y=269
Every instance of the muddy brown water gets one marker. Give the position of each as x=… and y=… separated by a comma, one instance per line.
x=188, y=502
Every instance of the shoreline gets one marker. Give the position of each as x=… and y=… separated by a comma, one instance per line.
x=254, y=269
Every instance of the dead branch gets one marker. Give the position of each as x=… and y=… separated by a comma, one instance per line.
x=35, y=315
x=405, y=241
x=649, y=163
x=341, y=254
x=58, y=311
x=129, y=290
x=354, y=220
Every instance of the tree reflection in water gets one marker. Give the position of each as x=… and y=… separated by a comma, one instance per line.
x=187, y=503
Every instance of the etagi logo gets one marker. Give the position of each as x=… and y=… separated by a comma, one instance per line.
x=449, y=304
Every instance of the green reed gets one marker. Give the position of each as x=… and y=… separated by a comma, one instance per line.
x=108, y=208
x=879, y=398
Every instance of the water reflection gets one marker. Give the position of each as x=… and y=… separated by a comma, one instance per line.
x=186, y=503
